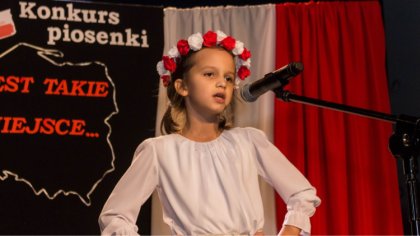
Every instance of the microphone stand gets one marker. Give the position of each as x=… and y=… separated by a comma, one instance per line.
x=404, y=143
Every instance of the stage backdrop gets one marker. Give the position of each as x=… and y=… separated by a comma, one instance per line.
x=78, y=91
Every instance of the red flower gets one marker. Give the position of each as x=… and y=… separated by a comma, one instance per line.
x=210, y=39
x=183, y=47
x=243, y=72
x=165, y=79
x=228, y=43
x=169, y=63
x=245, y=54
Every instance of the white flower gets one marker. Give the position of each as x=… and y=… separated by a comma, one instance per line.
x=239, y=48
x=173, y=52
x=239, y=62
x=195, y=41
x=161, y=69
x=220, y=36
x=246, y=63
x=237, y=81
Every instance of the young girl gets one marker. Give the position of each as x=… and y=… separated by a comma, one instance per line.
x=205, y=172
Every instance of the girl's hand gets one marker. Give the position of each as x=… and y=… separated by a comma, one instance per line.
x=289, y=230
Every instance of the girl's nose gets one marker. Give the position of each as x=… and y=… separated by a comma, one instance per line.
x=221, y=84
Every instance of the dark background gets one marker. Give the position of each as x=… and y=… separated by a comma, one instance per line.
x=133, y=70
x=402, y=32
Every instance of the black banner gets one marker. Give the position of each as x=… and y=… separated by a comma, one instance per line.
x=78, y=93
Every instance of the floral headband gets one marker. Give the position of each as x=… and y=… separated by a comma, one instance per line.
x=195, y=42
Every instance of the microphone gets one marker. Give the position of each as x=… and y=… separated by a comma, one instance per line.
x=272, y=80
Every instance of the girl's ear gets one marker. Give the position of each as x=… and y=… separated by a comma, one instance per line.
x=181, y=87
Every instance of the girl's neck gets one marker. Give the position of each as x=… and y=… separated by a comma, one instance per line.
x=201, y=132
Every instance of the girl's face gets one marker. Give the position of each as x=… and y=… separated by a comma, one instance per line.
x=208, y=86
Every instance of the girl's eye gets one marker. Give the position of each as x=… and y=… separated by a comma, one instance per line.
x=208, y=74
x=229, y=79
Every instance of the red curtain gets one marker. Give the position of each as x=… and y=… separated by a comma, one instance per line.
x=346, y=157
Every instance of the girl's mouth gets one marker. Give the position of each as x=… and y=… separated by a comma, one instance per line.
x=220, y=97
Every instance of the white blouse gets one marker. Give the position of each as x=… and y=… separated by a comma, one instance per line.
x=208, y=187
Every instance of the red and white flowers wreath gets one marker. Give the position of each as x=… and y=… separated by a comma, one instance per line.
x=195, y=42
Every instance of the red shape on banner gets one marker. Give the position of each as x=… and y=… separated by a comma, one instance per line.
x=6, y=30
x=7, y=27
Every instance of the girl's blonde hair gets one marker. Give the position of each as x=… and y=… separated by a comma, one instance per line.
x=174, y=119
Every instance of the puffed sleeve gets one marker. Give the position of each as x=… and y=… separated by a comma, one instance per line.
x=296, y=191
x=120, y=212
